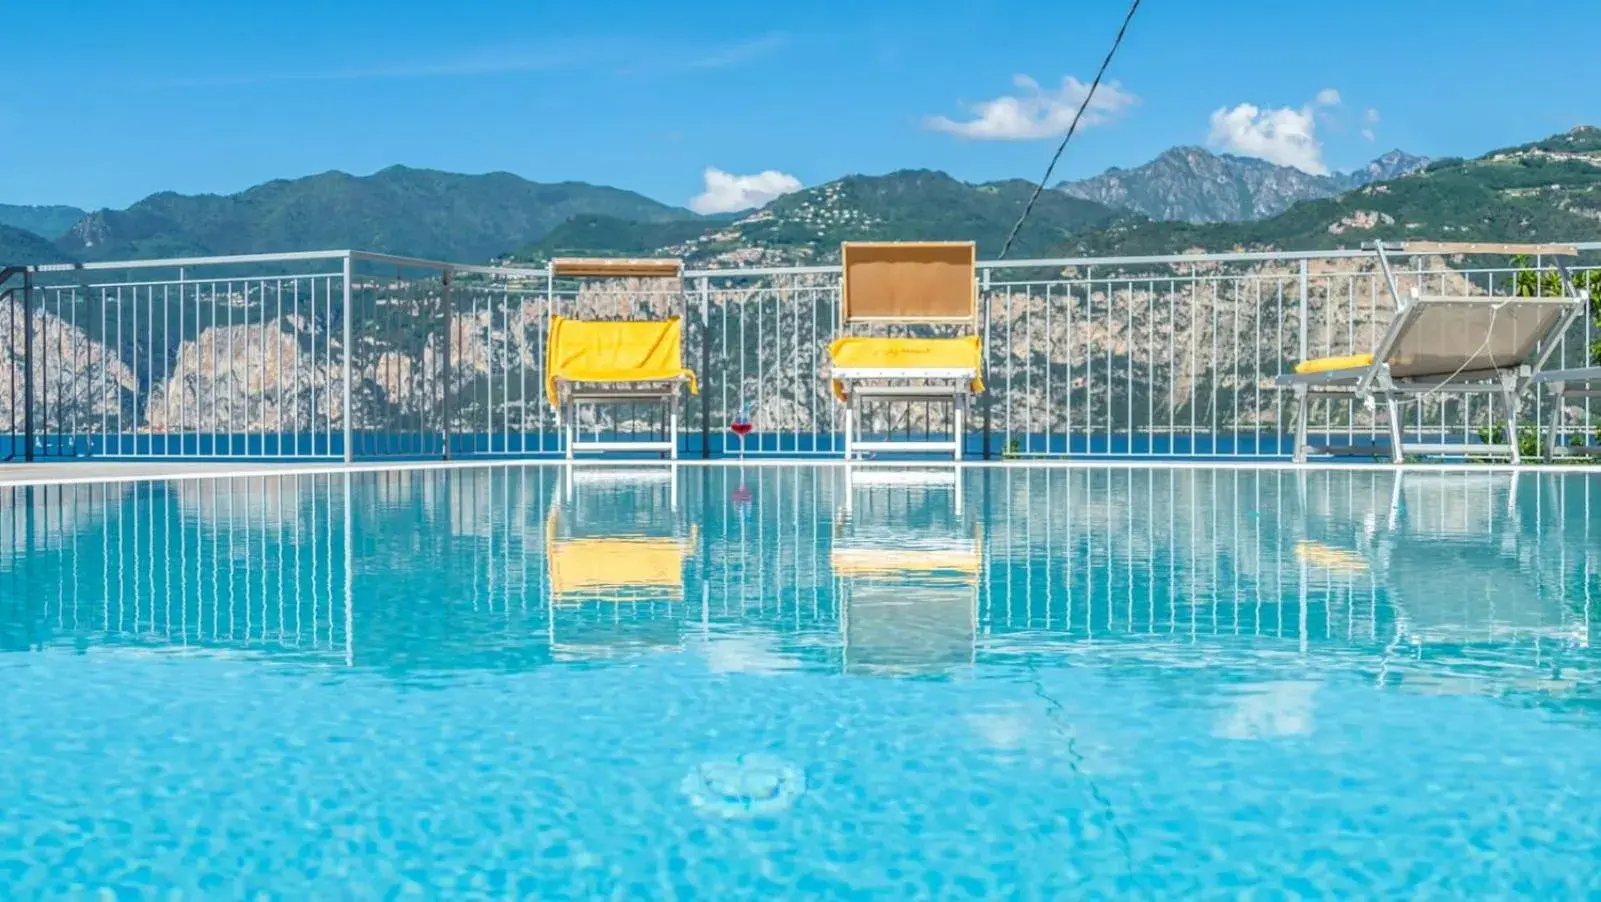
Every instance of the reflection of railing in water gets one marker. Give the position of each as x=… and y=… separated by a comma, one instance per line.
x=255, y=564
x=1341, y=568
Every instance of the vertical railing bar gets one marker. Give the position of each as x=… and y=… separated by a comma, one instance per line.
x=1011, y=366
x=1050, y=365
x=704, y=400
x=166, y=368
x=1373, y=296
x=327, y=378
x=211, y=374
x=761, y=358
x=522, y=360
x=1028, y=369
x=1172, y=303
x=1128, y=342
x=1089, y=361
x=442, y=377
x=347, y=365
x=1150, y=366
x=121, y=427
x=230, y=404
x=1217, y=300
x=1194, y=355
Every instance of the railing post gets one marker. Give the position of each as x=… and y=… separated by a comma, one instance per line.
x=705, y=368
x=349, y=414
x=444, y=398
x=1306, y=313
x=984, y=311
x=27, y=365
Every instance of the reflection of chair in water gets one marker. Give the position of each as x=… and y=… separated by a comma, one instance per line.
x=1459, y=567
x=907, y=284
x=908, y=593
x=617, y=592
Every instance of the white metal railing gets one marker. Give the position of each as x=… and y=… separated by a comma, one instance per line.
x=345, y=354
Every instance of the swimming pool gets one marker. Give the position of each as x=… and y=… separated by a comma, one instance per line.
x=794, y=680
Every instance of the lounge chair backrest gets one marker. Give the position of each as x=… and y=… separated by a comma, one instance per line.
x=909, y=282
x=1442, y=336
x=617, y=289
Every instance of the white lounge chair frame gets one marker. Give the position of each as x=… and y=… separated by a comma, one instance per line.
x=1579, y=382
x=948, y=384
x=574, y=395
x=1461, y=371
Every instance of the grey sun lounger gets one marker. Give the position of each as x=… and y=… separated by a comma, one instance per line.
x=1563, y=385
x=1460, y=345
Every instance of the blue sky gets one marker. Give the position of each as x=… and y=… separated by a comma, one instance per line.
x=106, y=101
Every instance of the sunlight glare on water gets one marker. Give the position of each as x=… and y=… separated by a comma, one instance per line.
x=791, y=681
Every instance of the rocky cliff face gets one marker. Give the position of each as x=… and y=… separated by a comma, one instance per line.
x=78, y=382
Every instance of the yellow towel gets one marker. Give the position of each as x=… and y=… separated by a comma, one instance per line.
x=906, y=353
x=1325, y=364
x=601, y=351
x=614, y=563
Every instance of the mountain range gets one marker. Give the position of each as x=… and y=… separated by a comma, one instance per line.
x=1189, y=184
x=398, y=210
x=1187, y=198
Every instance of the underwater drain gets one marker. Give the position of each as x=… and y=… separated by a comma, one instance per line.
x=746, y=786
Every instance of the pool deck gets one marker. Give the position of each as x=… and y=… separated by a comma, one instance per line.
x=76, y=472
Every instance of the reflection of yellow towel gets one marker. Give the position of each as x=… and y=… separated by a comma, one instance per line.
x=614, y=563
x=895, y=562
x=1326, y=364
x=1337, y=559
x=603, y=351
x=857, y=352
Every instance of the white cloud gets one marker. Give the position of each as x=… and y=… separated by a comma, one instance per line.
x=1036, y=113
x=728, y=193
x=1328, y=97
x=1370, y=118
x=1286, y=135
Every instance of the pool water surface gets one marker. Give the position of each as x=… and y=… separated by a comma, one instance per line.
x=796, y=681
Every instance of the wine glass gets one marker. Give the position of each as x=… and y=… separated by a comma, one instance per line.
x=741, y=426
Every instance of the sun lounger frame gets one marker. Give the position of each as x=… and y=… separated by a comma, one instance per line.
x=1375, y=380
x=1578, y=382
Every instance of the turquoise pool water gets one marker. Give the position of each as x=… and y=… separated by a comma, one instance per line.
x=798, y=682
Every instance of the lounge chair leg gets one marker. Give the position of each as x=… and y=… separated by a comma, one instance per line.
x=1303, y=400
x=956, y=425
x=1509, y=404
x=1557, y=391
x=850, y=406
x=1393, y=408
x=572, y=433
x=672, y=427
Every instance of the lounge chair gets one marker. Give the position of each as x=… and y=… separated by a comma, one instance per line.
x=1564, y=385
x=1444, y=345
x=592, y=362
x=907, y=284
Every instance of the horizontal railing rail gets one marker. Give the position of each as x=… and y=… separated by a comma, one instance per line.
x=349, y=354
